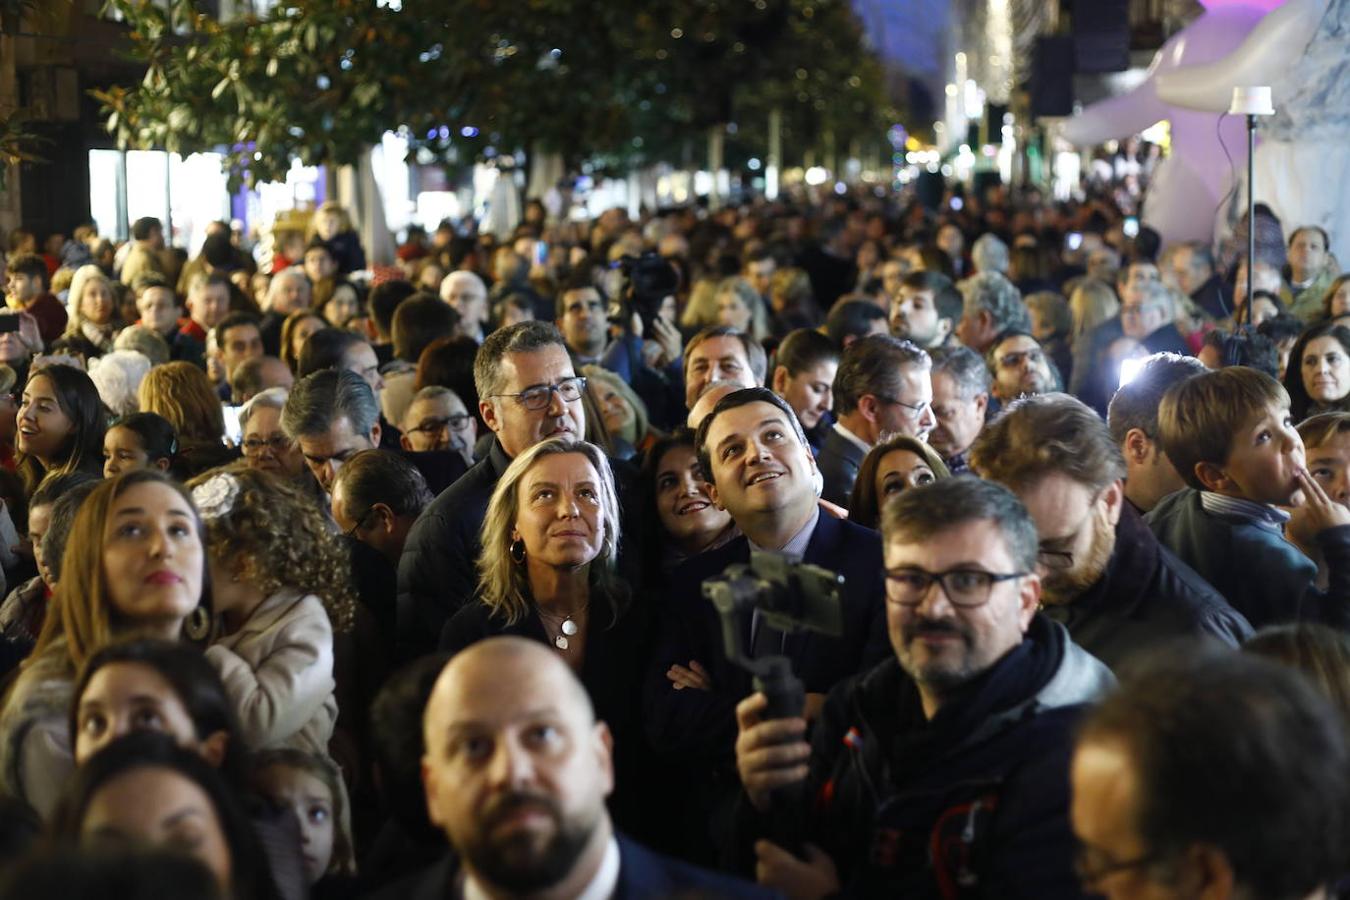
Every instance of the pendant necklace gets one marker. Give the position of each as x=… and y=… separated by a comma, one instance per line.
x=567, y=629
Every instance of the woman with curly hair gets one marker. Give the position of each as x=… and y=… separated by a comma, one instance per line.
x=281, y=587
x=182, y=394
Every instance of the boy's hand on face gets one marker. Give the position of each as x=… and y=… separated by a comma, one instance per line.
x=1319, y=512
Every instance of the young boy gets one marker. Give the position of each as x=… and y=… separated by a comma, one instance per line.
x=1229, y=435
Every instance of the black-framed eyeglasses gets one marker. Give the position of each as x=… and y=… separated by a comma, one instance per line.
x=276, y=443
x=539, y=396
x=966, y=588
x=351, y=532
x=1092, y=867
x=917, y=411
x=454, y=422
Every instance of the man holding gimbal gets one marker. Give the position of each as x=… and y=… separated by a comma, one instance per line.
x=943, y=771
x=760, y=469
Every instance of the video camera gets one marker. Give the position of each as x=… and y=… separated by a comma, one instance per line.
x=647, y=281
x=789, y=597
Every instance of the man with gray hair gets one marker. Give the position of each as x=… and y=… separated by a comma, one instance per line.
x=881, y=390
x=332, y=415
x=991, y=305
x=989, y=254
x=961, y=383
x=527, y=393
x=468, y=296
x=289, y=291
x=438, y=420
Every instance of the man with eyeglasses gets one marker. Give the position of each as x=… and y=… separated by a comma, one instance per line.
x=437, y=420
x=528, y=392
x=882, y=389
x=1104, y=574
x=1212, y=777
x=1020, y=367
x=332, y=415
x=958, y=741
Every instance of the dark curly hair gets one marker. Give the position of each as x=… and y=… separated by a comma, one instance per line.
x=278, y=538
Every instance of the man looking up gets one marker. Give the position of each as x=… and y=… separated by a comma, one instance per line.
x=516, y=771
x=1104, y=575
x=959, y=739
x=882, y=389
x=528, y=392
x=759, y=467
x=582, y=321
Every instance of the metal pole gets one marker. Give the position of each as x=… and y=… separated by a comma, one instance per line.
x=1251, y=211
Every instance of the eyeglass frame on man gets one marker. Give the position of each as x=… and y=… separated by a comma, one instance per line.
x=1089, y=876
x=1064, y=559
x=916, y=411
x=546, y=391
x=947, y=591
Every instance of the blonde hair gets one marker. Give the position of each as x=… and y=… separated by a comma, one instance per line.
x=641, y=422
x=278, y=538
x=81, y=283
x=181, y=393
x=505, y=586
x=1092, y=303
x=1199, y=417
x=701, y=310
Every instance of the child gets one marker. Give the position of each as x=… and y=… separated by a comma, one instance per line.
x=1326, y=438
x=138, y=441
x=1229, y=435
x=308, y=786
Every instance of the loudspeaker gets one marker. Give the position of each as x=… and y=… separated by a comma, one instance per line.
x=1101, y=35
x=1052, y=71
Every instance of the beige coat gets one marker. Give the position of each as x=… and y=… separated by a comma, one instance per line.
x=278, y=672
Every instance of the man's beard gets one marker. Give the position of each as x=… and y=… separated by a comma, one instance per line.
x=1067, y=586
x=943, y=677
x=524, y=862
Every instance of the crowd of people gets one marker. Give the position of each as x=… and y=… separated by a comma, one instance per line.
x=845, y=547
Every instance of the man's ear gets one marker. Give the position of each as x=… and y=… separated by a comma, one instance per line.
x=604, y=756
x=1030, y=600
x=384, y=517
x=1138, y=447
x=1113, y=496
x=1205, y=872
x=982, y=402
x=405, y=443
x=868, y=407
x=780, y=378
x=945, y=327
x=488, y=412
x=1213, y=477
x=375, y=434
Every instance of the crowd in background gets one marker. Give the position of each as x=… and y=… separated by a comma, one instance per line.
x=334, y=580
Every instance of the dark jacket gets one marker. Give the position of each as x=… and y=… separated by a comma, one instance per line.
x=643, y=875
x=1262, y=575
x=838, y=461
x=617, y=651
x=1146, y=595
x=702, y=724
x=1214, y=297
x=986, y=779
x=436, y=573
x=1095, y=380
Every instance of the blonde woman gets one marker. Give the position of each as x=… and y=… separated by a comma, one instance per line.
x=182, y=393
x=621, y=409
x=1092, y=303
x=547, y=573
x=93, y=309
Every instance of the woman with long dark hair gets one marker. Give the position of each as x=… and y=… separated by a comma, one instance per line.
x=61, y=423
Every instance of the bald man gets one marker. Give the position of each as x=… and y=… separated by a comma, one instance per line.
x=707, y=400
x=516, y=771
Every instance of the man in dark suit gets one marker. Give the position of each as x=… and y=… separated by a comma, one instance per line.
x=528, y=392
x=753, y=449
x=516, y=771
x=882, y=389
